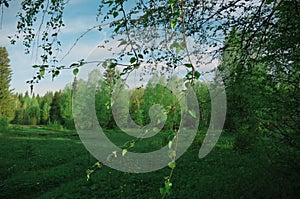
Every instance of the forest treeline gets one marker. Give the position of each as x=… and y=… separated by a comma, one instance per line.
x=55, y=108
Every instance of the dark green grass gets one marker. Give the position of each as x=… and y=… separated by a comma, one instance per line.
x=44, y=163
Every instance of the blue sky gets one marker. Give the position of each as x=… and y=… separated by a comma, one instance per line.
x=78, y=17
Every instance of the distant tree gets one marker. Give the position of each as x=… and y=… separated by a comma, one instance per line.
x=48, y=97
x=103, y=106
x=83, y=94
x=55, y=110
x=45, y=113
x=66, y=107
x=111, y=76
x=6, y=101
x=18, y=109
x=202, y=93
x=24, y=109
x=156, y=93
x=136, y=101
x=34, y=112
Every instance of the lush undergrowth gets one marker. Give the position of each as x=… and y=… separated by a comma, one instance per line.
x=44, y=163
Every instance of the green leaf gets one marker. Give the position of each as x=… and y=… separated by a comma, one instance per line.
x=60, y=67
x=197, y=75
x=189, y=75
x=114, y=153
x=188, y=65
x=98, y=164
x=115, y=14
x=74, y=65
x=131, y=145
x=140, y=56
x=124, y=151
x=170, y=144
x=42, y=71
x=132, y=60
x=136, y=66
x=173, y=23
x=168, y=186
x=172, y=164
x=6, y=4
x=155, y=130
x=75, y=71
x=88, y=174
x=56, y=73
x=193, y=113
x=112, y=65
x=81, y=62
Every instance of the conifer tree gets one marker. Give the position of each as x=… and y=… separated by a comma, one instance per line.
x=6, y=105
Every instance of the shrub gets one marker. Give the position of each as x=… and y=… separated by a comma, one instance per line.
x=55, y=125
x=69, y=124
x=4, y=124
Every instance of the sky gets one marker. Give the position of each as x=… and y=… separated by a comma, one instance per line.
x=78, y=17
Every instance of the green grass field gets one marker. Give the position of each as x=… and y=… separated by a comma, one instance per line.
x=44, y=163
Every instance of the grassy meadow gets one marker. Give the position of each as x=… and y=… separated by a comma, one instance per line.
x=36, y=162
